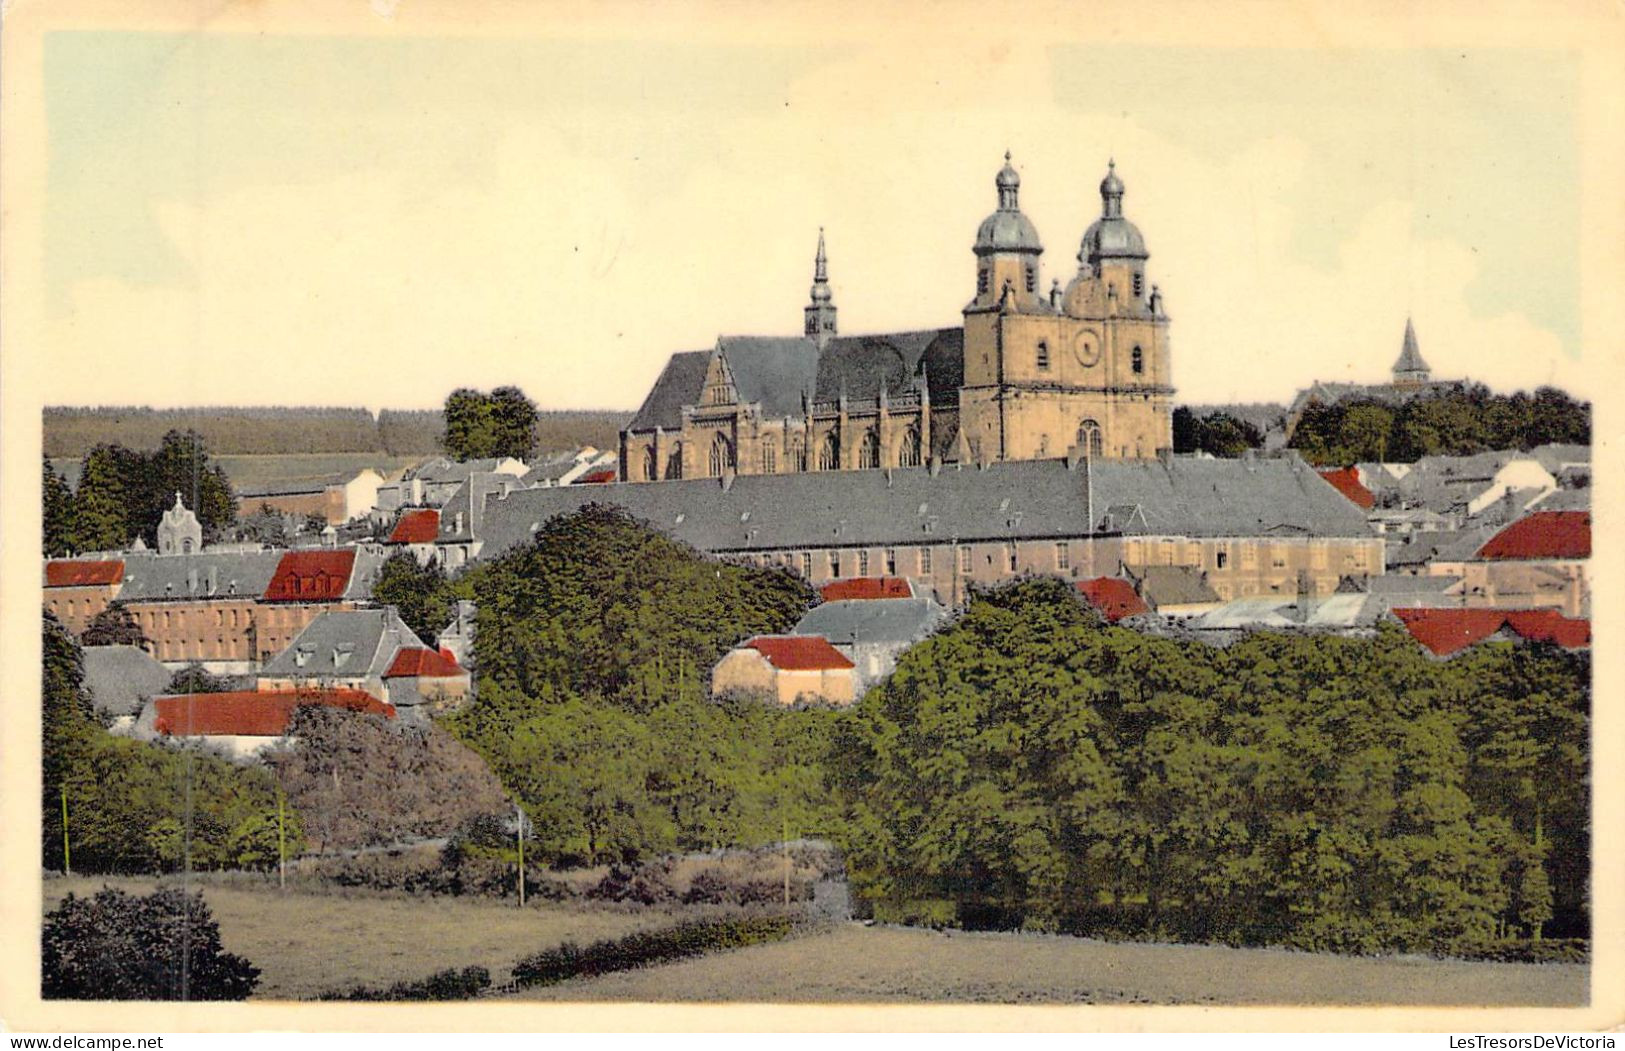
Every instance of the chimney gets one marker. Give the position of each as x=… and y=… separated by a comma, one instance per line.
x=213, y=580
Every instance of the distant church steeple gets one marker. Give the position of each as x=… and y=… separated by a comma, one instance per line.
x=1410, y=370
x=820, y=312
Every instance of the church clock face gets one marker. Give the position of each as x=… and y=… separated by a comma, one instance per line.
x=1086, y=348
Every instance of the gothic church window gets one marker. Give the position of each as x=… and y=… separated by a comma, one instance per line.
x=651, y=465
x=829, y=457
x=722, y=455
x=1089, y=437
x=908, y=453
x=869, y=451
x=674, y=464
x=798, y=456
x=770, y=457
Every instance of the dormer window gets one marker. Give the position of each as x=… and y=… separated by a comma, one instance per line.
x=341, y=656
x=302, y=655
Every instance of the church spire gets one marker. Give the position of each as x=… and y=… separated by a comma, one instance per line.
x=1410, y=369
x=820, y=311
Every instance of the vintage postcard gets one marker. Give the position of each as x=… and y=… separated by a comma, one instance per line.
x=814, y=516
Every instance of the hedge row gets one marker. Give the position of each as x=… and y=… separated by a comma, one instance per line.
x=449, y=984
x=643, y=948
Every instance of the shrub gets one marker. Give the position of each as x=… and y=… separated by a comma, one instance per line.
x=450, y=984
x=116, y=946
x=642, y=948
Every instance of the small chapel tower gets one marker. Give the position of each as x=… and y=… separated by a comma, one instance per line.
x=820, y=311
x=179, y=533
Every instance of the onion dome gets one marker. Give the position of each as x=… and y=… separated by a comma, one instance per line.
x=1007, y=230
x=1111, y=236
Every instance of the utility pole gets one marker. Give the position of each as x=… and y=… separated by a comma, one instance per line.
x=787, y=860
x=520, y=811
x=67, y=860
x=281, y=845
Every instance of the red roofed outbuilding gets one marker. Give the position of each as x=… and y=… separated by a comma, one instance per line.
x=1554, y=535
x=1346, y=480
x=866, y=588
x=1113, y=597
x=244, y=722
x=788, y=668
x=1539, y=561
x=76, y=590
x=1445, y=632
x=419, y=525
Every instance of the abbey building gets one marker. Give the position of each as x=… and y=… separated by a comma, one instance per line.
x=1030, y=374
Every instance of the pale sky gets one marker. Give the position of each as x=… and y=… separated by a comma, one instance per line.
x=376, y=220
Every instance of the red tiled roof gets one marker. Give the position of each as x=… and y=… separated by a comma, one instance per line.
x=1544, y=534
x=597, y=477
x=1447, y=631
x=311, y=576
x=64, y=574
x=799, y=652
x=252, y=713
x=423, y=664
x=1346, y=480
x=421, y=526
x=1114, y=597
x=866, y=588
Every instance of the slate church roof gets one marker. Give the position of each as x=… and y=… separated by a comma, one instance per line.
x=777, y=372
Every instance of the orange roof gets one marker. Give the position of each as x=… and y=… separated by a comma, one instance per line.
x=866, y=588
x=597, y=477
x=799, y=652
x=1447, y=631
x=66, y=574
x=251, y=713
x=311, y=576
x=421, y=526
x=1346, y=480
x=1114, y=597
x=1544, y=534
x=423, y=664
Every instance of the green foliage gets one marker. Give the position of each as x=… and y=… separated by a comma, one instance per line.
x=1216, y=433
x=1459, y=421
x=113, y=626
x=56, y=513
x=195, y=678
x=642, y=948
x=600, y=604
x=479, y=425
x=123, y=494
x=139, y=807
x=450, y=984
x=593, y=644
x=421, y=594
x=1036, y=768
x=116, y=946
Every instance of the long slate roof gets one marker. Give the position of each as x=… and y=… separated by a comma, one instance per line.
x=239, y=574
x=872, y=620
x=1015, y=500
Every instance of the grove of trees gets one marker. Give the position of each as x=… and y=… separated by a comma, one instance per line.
x=1031, y=766
x=1214, y=433
x=124, y=493
x=1460, y=421
x=132, y=806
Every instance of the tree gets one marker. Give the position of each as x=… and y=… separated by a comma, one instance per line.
x=116, y=946
x=420, y=593
x=57, y=513
x=103, y=518
x=481, y=426
x=181, y=464
x=113, y=626
x=194, y=678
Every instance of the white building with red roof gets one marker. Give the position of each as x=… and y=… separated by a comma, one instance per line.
x=788, y=668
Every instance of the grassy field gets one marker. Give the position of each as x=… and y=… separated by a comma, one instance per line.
x=305, y=943
x=856, y=964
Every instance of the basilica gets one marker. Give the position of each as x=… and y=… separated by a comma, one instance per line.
x=1030, y=374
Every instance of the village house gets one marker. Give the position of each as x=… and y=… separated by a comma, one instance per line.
x=121, y=680
x=1445, y=632
x=373, y=651
x=872, y=633
x=1540, y=561
x=335, y=499
x=432, y=482
x=787, y=668
x=585, y=466
x=1113, y=598
x=243, y=724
